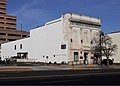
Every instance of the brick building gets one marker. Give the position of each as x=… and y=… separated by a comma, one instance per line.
x=8, y=30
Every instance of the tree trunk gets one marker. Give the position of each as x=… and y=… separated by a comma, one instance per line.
x=107, y=61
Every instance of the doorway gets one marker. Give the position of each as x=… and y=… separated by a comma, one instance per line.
x=76, y=56
x=85, y=58
x=23, y=55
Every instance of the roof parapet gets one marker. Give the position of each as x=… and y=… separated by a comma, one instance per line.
x=86, y=19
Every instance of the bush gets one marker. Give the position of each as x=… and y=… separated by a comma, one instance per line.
x=105, y=62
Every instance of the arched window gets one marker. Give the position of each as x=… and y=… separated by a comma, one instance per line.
x=14, y=47
x=21, y=46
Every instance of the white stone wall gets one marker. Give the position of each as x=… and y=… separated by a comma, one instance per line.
x=47, y=41
x=116, y=40
x=8, y=49
x=75, y=32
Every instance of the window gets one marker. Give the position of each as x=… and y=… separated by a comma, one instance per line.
x=71, y=40
x=76, y=56
x=20, y=46
x=46, y=57
x=54, y=55
x=63, y=46
x=92, y=57
x=91, y=42
x=2, y=13
x=15, y=47
x=81, y=41
x=81, y=57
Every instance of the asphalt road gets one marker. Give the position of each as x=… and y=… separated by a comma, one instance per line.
x=69, y=77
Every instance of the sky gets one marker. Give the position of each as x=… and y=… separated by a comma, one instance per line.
x=33, y=13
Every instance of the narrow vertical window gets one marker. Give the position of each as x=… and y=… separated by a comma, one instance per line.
x=14, y=47
x=71, y=40
x=91, y=42
x=82, y=41
x=20, y=46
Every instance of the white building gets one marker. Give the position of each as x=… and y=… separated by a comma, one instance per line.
x=67, y=39
x=116, y=40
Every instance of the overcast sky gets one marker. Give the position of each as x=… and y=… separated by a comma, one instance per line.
x=32, y=13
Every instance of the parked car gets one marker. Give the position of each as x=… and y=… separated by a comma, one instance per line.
x=105, y=62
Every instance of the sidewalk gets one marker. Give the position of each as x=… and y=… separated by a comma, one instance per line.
x=115, y=66
x=54, y=67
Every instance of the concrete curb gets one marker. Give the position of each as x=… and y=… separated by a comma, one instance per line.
x=85, y=68
x=15, y=69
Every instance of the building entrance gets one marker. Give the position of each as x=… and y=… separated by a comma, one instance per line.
x=23, y=55
x=85, y=58
x=76, y=56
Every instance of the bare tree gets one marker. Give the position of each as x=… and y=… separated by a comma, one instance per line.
x=103, y=46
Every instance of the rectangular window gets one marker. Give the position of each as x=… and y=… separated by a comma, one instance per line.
x=20, y=46
x=81, y=57
x=15, y=47
x=63, y=46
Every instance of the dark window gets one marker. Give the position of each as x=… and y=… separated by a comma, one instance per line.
x=14, y=35
x=54, y=55
x=15, y=47
x=1, y=27
x=20, y=46
x=71, y=40
x=92, y=57
x=81, y=41
x=43, y=56
x=2, y=33
x=1, y=22
x=3, y=8
x=81, y=57
x=46, y=57
x=63, y=46
x=91, y=42
x=1, y=17
x=3, y=3
x=10, y=23
x=2, y=13
x=11, y=19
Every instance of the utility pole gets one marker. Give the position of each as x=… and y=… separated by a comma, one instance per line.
x=21, y=27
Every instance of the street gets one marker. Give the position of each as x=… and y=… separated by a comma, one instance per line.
x=62, y=77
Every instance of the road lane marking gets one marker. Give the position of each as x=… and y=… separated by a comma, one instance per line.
x=50, y=76
x=49, y=82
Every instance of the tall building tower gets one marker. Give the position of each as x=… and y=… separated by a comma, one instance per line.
x=8, y=30
x=6, y=21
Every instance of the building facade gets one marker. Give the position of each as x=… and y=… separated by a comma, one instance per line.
x=116, y=40
x=8, y=30
x=67, y=39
